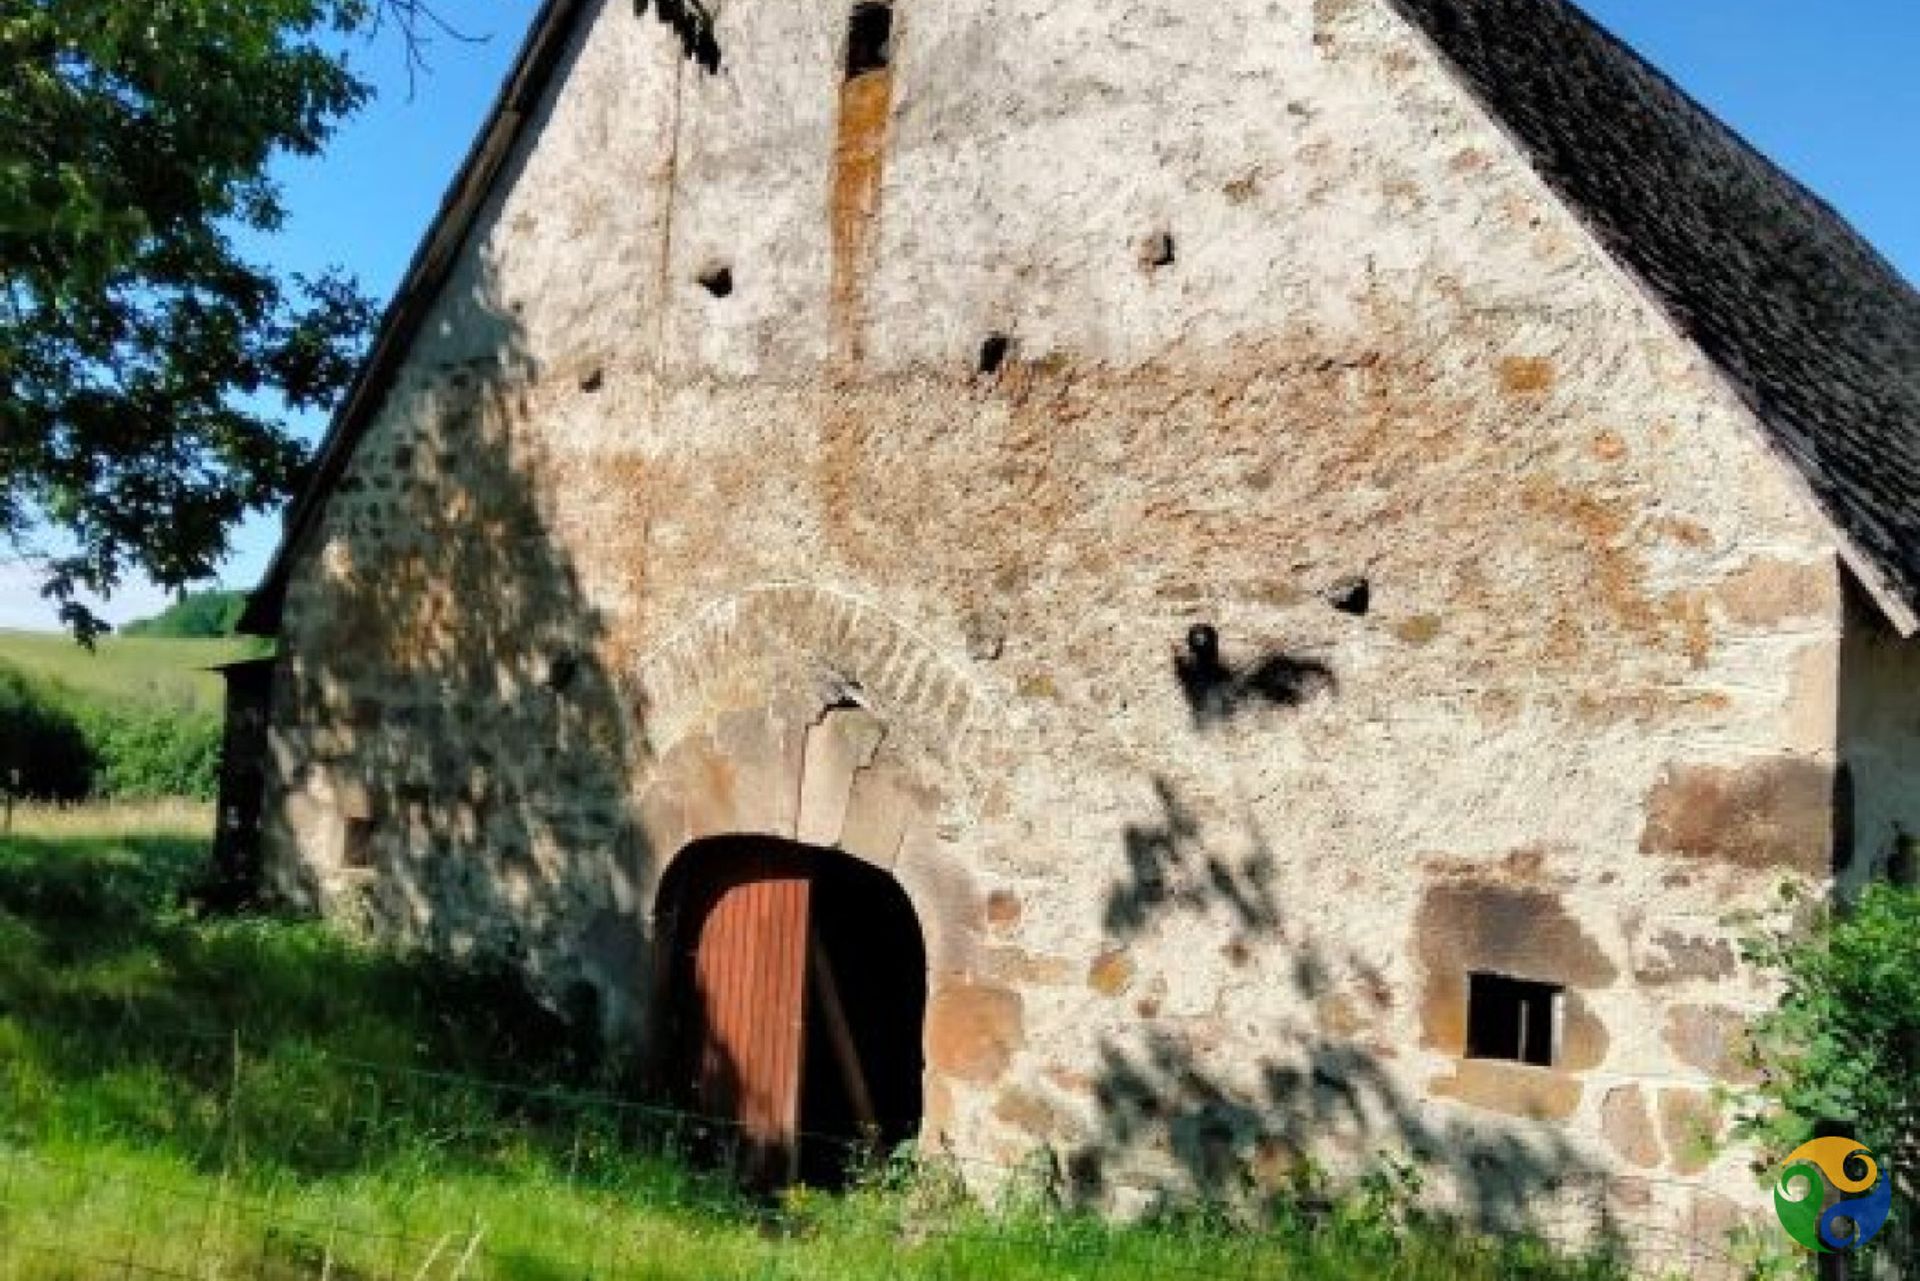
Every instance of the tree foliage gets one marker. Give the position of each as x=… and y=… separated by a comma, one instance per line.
x=145, y=752
x=144, y=358
x=195, y=615
x=1842, y=1049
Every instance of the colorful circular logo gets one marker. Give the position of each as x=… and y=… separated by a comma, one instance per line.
x=1844, y=1173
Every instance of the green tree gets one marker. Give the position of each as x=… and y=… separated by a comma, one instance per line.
x=144, y=359
x=197, y=614
x=1842, y=1048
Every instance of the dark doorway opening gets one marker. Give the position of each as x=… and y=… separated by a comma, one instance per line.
x=868, y=954
x=793, y=998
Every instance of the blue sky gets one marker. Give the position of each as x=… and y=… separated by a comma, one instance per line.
x=1828, y=90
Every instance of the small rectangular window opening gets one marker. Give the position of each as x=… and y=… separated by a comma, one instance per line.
x=869, y=39
x=1513, y=1019
x=358, y=851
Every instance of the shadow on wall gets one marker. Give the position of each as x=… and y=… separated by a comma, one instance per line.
x=456, y=739
x=1217, y=692
x=1172, y=868
x=1180, y=1115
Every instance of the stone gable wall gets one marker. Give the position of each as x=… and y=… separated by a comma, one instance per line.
x=617, y=548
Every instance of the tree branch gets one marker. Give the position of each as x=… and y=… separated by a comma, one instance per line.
x=419, y=25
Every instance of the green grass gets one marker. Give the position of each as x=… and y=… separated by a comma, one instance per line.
x=138, y=670
x=265, y=1097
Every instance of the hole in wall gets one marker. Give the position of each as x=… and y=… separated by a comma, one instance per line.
x=1511, y=1019
x=1351, y=595
x=839, y=691
x=869, y=39
x=716, y=280
x=1844, y=810
x=1203, y=644
x=1156, y=251
x=562, y=671
x=993, y=353
x=594, y=381
x=1903, y=865
x=693, y=24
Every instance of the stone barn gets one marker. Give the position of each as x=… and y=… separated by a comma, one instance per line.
x=1183, y=586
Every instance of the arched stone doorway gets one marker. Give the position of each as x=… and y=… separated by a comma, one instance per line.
x=795, y=992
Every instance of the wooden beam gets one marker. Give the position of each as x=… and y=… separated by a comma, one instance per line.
x=841, y=1034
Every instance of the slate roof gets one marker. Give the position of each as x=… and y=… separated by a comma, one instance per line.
x=1813, y=328
x=1818, y=332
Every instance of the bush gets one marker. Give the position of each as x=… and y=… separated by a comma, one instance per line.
x=45, y=754
x=1843, y=1047
x=67, y=748
x=146, y=753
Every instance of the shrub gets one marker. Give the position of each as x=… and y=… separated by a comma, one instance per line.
x=154, y=752
x=44, y=752
x=67, y=748
x=1843, y=1047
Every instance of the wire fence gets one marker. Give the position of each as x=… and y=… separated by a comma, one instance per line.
x=297, y=1163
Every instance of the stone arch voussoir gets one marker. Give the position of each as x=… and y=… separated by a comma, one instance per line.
x=802, y=714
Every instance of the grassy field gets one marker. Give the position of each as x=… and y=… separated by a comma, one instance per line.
x=264, y=1097
x=140, y=670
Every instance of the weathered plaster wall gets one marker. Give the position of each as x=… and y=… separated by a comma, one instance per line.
x=616, y=545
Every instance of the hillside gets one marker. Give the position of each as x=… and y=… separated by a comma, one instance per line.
x=148, y=671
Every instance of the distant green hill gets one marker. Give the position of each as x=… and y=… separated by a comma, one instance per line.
x=197, y=614
x=140, y=670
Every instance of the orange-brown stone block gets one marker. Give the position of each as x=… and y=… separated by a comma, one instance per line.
x=973, y=1030
x=1628, y=1126
x=1776, y=812
x=1535, y=1093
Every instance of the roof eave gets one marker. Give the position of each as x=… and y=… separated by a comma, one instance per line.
x=533, y=68
x=1899, y=612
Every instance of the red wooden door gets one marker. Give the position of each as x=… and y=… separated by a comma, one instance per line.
x=749, y=973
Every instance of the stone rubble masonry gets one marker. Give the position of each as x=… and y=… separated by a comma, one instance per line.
x=623, y=564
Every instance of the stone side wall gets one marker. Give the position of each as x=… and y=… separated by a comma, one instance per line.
x=1880, y=744
x=1281, y=312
